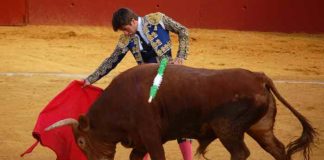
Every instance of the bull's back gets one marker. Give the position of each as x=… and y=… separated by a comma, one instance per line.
x=187, y=85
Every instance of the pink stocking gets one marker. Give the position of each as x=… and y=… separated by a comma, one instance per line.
x=186, y=150
x=146, y=157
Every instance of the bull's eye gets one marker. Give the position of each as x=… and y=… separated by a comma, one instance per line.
x=81, y=142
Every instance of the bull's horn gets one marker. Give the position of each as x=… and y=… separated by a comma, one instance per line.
x=69, y=121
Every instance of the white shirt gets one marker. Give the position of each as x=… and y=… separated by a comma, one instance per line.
x=140, y=30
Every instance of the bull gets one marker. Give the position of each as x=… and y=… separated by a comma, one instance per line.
x=207, y=104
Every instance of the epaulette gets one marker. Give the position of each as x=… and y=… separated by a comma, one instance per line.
x=123, y=41
x=154, y=18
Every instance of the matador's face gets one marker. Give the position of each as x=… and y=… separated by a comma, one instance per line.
x=131, y=28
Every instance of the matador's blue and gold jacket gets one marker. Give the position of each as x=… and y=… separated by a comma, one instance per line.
x=156, y=27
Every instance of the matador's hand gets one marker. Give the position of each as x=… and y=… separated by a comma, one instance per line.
x=85, y=83
x=178, y=60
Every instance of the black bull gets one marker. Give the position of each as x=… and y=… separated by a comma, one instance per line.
x=192, y=103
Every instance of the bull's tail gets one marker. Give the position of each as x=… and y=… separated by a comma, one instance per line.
x=304, y=142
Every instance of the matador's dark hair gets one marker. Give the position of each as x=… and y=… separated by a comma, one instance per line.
x=122, y=17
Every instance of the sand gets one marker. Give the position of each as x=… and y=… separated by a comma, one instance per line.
x=37, y=62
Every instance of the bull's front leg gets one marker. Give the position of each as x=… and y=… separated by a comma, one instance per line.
x=137, y=154
x=148, y=133
x=153, y=145
x=156, y=152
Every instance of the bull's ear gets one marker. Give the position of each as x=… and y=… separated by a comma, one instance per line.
x=84, y=123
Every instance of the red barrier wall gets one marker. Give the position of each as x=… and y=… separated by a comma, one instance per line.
x=13, y=12
x=260, y=15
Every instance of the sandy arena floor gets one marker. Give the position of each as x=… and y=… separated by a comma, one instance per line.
x=36, y=62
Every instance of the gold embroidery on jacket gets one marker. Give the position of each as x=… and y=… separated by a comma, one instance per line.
x=151, y=36
x=182, y=32
x=166, y=47
x=155, y=44
x=123, y=41
x=154, y=18
x=136, y=50
x=136, y=47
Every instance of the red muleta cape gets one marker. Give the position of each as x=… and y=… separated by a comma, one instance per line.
x=70, y=103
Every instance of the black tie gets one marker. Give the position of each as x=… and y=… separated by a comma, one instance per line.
x=141, y=38
x=146, y=47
